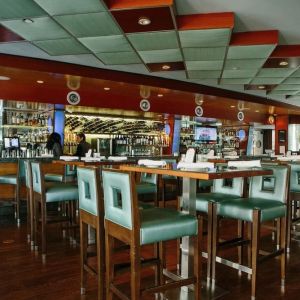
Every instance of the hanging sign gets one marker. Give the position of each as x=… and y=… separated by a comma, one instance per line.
x=199, y=111
x=240, y=116
x=145, y=105
x=73, y=98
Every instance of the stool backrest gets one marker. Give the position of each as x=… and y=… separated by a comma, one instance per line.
x=89, y=190
x=149, y=178
x=295, y=177
x=234, y=189
x=120, y=198
x=21, y=170
x=278, y=190
x=37, y=178
x=70, y=171
x=28, y=174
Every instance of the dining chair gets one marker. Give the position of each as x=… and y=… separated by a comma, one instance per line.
x=262, y=205
x=126, y=222
x=43, y=194
x=91, y=213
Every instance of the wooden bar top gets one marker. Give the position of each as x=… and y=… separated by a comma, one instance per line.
x=203, y=174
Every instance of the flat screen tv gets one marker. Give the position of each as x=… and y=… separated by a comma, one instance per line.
x=206, y=134
x=11, y=142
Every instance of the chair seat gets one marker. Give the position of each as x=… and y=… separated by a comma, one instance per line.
x=242, y=209
x=143, y=205
x=61, y=192
x=202, y=200
x=8, y=179
x=162, y=224
x=146, y=188
x=168, y=177
x=54, y=177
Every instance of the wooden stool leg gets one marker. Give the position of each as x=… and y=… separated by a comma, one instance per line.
x=135, y=259
x=289, y=226
x=17, y=197
x=100, y=263
x=249, y=247
x=198, y=260
x=36, y=223
x=283, y=222
x=255, y=250
x=43, y=217
x=215, y=241
x=240, y=248
x=83, y=255
x=109, y=265
x=29, y=213
x=162, y=262
x=209, y=240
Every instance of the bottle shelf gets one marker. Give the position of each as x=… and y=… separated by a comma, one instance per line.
x=25, y=126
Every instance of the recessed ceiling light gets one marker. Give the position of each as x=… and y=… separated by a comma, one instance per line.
x=144, y=21
x=4, y=78
x=283, y=63
x=261, y=87
x=106, y=88
x=235, y=68
x=166, y=67
x=28, y=21
x=257, y=111
x=160, y=95
x=232, y=106
x=40, y=81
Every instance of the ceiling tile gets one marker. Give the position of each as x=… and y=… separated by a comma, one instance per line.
x=292, y=80
x=68, y=46
x=232, y=64
x=19, y=9
x=172, y=66
x=207, y=81
x=209, y=38
x=87, y=25
x=267, y=80
x=41, y=29
x=157, y=56
x=111, y=43
x=210, y=53
x=243, y=52
x=275, y=72
x=119, y=58
x=205, y=65
x=235, y=80
x=296, y=74
x=239, y=73
x=204, y=74
x=154, y=40
x=288, y=87
x=259, y=87
x=160, y=17
x=64, y=7
x=285, y=92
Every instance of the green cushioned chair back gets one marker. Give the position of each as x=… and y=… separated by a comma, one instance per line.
x=295, y=177
x=117, y=198
x=21, y=170
x=234, y=189
x=277, y=190
x=149, y=178
x=70, y=171
x=36, y=177
x=28, y=174
x=205, y=183
x=87, y=190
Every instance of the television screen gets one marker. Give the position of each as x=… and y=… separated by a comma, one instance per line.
x=206, y=134
x=11, y=142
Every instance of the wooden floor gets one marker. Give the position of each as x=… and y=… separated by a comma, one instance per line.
x=24, y=276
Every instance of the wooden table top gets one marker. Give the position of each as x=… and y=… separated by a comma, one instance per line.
x=81, y=163
x=203, y=174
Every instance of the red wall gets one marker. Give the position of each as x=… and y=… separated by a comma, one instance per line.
x=281, y=123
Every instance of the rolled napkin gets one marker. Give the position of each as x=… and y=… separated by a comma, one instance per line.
x=93, y=158
x=67, y=158
x=117, y=158
x=289, y=158
x=198, y=165
x=150, y=162
x=231, y=156
x=46, y=155
x=244, y=163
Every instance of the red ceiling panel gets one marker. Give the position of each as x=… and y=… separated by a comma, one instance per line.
x=286, y=51
x=161, y=19
x=255, y=38
x=283, y=62
x=8, y=36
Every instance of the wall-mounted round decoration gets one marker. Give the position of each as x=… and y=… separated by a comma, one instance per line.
x=73, y=98
x=145, y=105
x=198, y=99
x=199, y=111
x=271, y=119
x=240, y=116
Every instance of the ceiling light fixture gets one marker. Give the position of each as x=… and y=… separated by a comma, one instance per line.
x=28, y=21
x=283, y=63
x=106, y=88
x=144, y=21
x=261, y=87
x=4, y=78
x=232, y=106
x=257, y=111
x=166, y=67
x=235, y=68
x=40, y=81
x=160, y=95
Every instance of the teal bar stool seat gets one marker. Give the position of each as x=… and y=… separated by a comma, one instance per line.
x=262, y=204
x=91, y=214
x=43, y=194
x=126, y=222
x=148, y=186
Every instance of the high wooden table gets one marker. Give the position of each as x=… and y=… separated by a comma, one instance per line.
x=189, y=178
x=105, y=162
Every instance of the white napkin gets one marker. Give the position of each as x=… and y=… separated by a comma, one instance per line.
x=198, y=165
x=117, y=158
x=66, y=158
x=46, y=155
x=231, y=156
x=244, y=163
x=150, y=162
x=190, y=155
x=93, y=158
x=289, y=158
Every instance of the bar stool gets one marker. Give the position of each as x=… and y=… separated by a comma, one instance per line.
x=124, y=221
x=262, y=205
x=44, y=193
x=91, y=214
x=148, y=186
